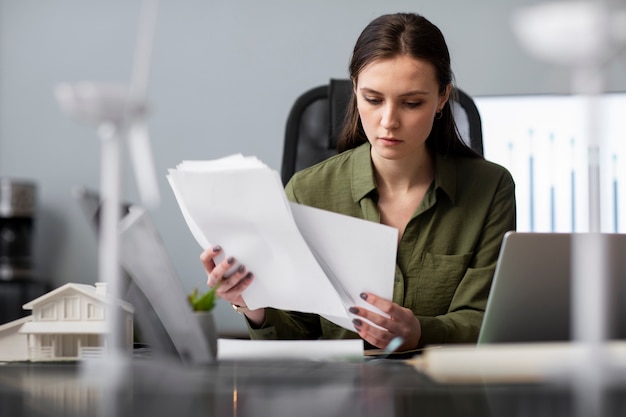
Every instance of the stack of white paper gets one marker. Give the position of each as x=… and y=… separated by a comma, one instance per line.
x=304, y=259
x=315, y=350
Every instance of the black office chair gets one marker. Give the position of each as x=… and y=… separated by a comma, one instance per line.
x=316, y=117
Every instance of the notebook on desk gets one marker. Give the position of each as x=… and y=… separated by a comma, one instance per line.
x=530, y=297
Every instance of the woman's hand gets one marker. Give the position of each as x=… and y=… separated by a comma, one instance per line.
x=401, y=322
x=229, y=287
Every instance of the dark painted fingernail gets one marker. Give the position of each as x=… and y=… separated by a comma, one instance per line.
x=248, y=275
x=363, y=296
x=357, y=322
x=230, y=260
x=353, y=310
x=217, y=248
x=241, y=269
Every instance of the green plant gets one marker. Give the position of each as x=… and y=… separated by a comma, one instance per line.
x=204, y=302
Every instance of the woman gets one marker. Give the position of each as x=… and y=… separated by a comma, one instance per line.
x=403, y=164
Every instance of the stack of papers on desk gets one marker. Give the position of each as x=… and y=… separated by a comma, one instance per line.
x=303, y=259
x=314, y=350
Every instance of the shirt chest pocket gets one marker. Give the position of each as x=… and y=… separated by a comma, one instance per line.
x=436, y=282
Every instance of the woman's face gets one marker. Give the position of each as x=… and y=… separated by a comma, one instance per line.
x=397, y=100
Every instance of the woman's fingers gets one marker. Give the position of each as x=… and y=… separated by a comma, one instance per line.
x=372, y=334
x=215, y=270
x=232, y=287
x=221, y=267
x=231, y=284
x=207, y=258
x=380, y=330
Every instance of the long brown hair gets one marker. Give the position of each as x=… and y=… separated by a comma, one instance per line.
x=409, y=34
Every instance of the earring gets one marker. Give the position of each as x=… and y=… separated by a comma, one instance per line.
x=439, y=115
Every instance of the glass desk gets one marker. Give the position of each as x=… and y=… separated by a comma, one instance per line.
x=273, y=389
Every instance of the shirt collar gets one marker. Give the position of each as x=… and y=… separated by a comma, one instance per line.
x=363, y=181
x=446, y=175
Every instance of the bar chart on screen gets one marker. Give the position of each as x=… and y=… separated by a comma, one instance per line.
x=544, y=142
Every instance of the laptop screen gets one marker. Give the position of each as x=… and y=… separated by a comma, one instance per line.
x=165, y=320
x=530, y=299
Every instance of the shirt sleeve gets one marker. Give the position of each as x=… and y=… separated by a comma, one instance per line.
x=286, y=325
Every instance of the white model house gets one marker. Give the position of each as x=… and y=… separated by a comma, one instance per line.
x=67, y=323
x=13, y=344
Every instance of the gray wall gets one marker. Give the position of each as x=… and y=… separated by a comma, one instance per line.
x=225, y=74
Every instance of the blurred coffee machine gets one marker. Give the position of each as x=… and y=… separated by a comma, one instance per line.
x=18, y=284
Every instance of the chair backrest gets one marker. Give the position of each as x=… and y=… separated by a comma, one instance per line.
x=316, y=116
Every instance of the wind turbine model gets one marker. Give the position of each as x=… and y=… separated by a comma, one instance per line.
x=118, y=112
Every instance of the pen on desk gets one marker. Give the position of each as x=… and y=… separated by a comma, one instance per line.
x=392, y=346
x=531, y=181
x=615, y=196
x=552, y=187
x=573, y=185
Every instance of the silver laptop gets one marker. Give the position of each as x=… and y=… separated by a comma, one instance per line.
x=530, y=297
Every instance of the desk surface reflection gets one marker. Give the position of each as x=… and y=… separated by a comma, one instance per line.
x=273, y=388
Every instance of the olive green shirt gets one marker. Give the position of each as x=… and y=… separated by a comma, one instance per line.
x=446, y=257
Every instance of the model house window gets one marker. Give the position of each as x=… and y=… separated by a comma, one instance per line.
x=94, y=312
x=48, y=312
x=71, y=308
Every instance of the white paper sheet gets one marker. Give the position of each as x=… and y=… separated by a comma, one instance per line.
x=360, y=254
x=348, y=349
x=240, y=204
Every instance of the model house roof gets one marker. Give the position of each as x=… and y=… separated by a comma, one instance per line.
x=97, y=293
x=10, y=326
